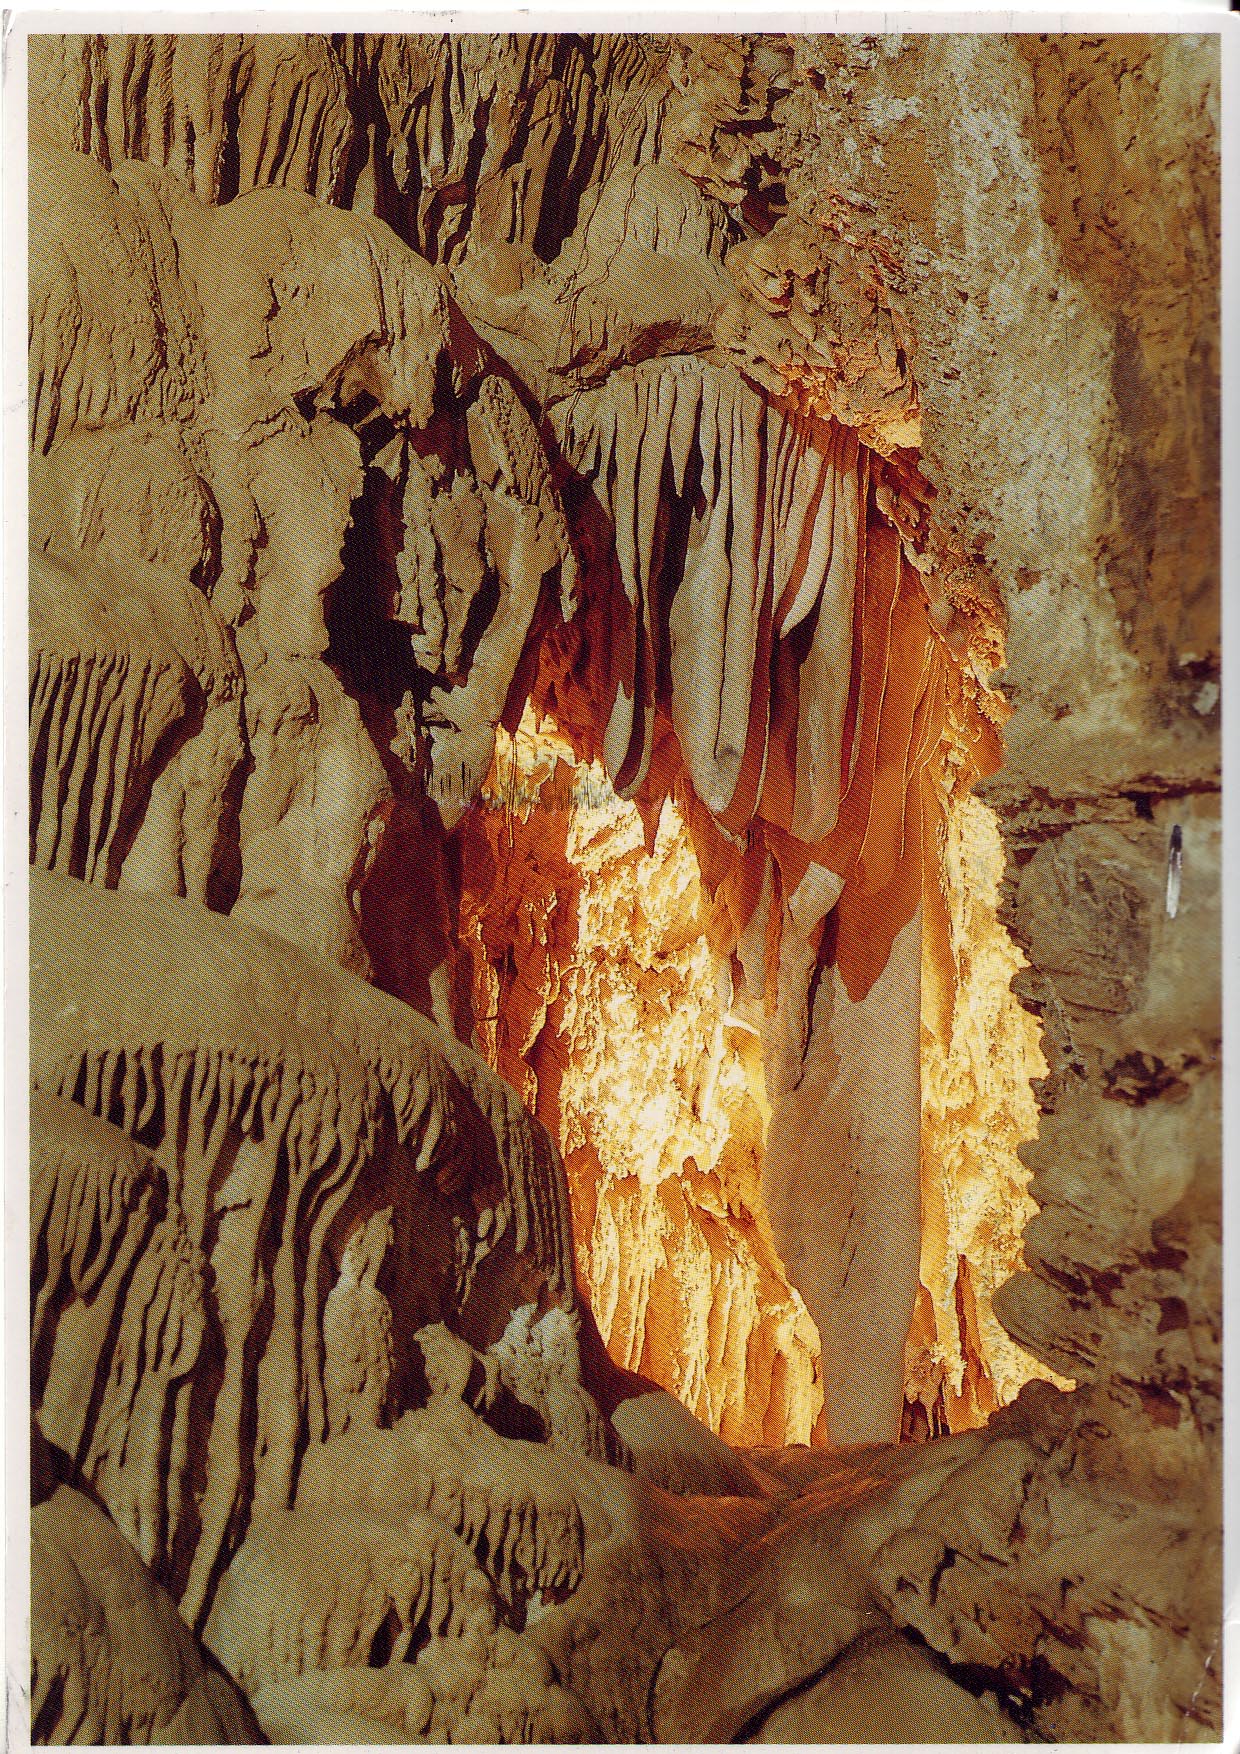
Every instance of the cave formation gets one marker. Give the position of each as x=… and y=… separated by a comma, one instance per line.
x=624, y=1133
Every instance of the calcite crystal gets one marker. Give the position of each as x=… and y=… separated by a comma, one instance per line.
x=625, y=888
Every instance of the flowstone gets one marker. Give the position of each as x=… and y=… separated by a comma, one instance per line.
x=616, y=625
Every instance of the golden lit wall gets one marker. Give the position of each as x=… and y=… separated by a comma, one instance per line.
x=598, y=994
x=978, y=1107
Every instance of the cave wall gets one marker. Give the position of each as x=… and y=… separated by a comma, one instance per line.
x=1060, y=203
x=811, y=429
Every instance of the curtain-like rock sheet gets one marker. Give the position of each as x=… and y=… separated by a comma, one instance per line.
x=736, y=538
x=758, y=598
x=226, y=113
x=231, y=113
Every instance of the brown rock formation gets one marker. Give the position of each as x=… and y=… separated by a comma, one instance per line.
x=113, y=1661
x=532, y=907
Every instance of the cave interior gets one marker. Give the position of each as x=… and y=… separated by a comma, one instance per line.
x=625, y=842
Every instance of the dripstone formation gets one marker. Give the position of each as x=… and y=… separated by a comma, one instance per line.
x=622, y=629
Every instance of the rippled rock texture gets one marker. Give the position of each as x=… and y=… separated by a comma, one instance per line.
x=624, y=823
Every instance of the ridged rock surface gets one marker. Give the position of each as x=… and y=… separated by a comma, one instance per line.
x=624, y=797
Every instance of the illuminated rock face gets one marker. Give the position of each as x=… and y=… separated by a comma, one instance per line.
x=601, y=997
x=978, y=1110
x=600, y=994
x=522, y=536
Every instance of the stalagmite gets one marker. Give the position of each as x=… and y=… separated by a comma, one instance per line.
x=842, y=1186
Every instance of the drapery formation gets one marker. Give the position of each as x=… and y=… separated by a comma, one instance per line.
x=748, y=597
x=760, y=598
x=313, y=1151
x=390, y=391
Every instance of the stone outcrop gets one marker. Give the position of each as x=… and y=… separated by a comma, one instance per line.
x=624, y=824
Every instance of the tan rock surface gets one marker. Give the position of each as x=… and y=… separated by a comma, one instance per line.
x=889, y=1692
x=112, y=1660
x=684, y=569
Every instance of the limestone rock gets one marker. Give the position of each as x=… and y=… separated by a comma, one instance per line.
x=980, y=1052
x=889, y=1691
x=619, y=1031
x=338, y=1133
x=677, y=1452
x=624, y=778
x=112, y=1661
x=816, y=320
x=137, y=727
x=227, y=113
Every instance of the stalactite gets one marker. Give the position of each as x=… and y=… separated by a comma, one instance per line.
x=792, y=487
x=733, y=409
